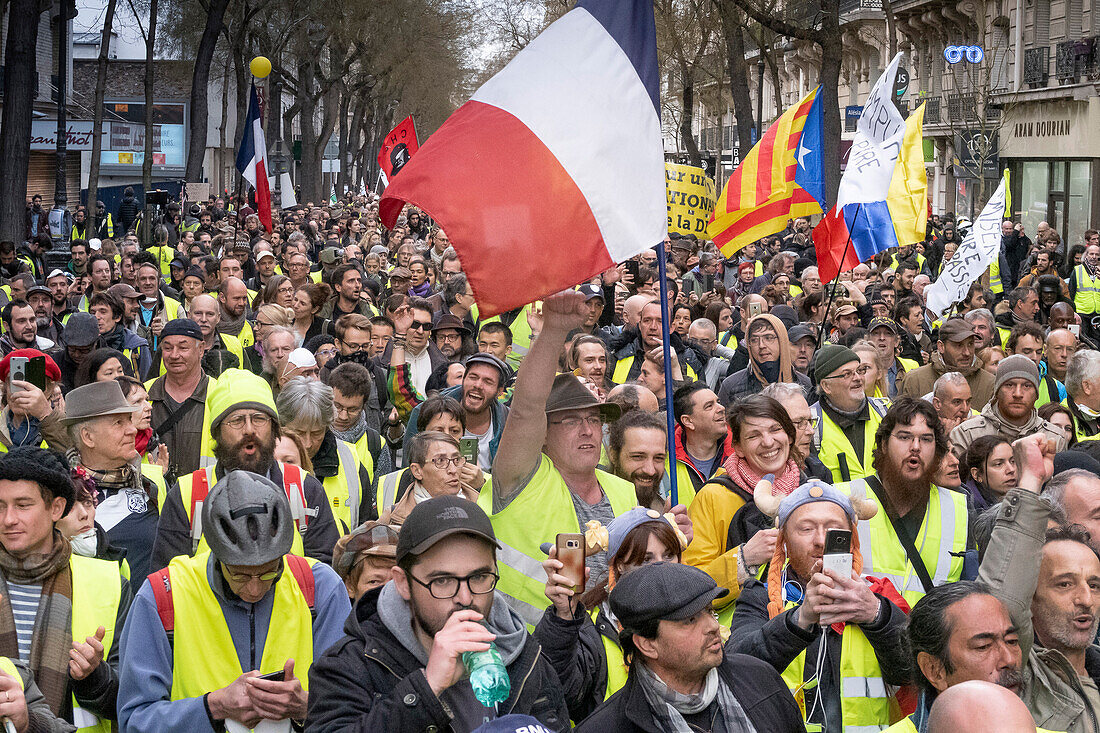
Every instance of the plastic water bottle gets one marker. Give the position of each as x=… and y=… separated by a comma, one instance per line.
x=488, y=676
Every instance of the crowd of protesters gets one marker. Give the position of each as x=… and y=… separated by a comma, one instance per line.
x=293, y=480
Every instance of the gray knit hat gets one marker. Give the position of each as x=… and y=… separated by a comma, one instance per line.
x=1017, y=366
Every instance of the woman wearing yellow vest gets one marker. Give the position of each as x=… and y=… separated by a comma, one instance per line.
x=204, y=629
x=578, y=633
x=836, y=639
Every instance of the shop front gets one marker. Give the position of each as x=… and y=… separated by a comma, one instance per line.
x=1052, y=149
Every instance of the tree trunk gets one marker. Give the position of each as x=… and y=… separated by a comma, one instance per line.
x=773, y=67
x=343, y=143
x=200, y=89
x=97, y=114
x=734, y=31
x=687, y=98
x=222, y=183
x=20, y=77
x=832, y=50
x=150, y=79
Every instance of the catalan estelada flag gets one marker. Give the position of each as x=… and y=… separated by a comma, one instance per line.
x=781, y=178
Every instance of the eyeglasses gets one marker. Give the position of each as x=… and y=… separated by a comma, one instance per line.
x=763, y=338
x=441, y=462
x=572, y=423
x=804, y=422
x=354, y=347
x=258, y=419
x=861, y=371
x=447, y=587
x=246, y=577
x=420, y=326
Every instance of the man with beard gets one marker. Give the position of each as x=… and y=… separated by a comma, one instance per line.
x=244, y=426
x=1011, y=413
x=626, y=363
x=347, y=282
x=58, y=283
x=20, y=328
x=803, y=338
x=955, y=353
x=586, y=356
x=638, y=448
x=1049, y=586
x=450, y=334
x=1027, y=339
x=233, y=303
x=179, y=397
x=912, y=512
x=400, y=668
x=40, y=298
x=482, y=384
x=265, y=268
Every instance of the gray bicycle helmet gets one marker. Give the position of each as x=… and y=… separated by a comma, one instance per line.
x=246, y=520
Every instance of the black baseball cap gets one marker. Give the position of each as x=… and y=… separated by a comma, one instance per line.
x=662, y=591
x=432, y=520
x=182, y=327
x=590, y=291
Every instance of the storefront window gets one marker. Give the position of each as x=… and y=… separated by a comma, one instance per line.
x=1034, y=188
x=1080, y=201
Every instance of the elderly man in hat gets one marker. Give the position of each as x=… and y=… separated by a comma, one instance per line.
x=680, y=676
x=954, y=353
x=545, y=475
x=1011, y=413
x=129, y=493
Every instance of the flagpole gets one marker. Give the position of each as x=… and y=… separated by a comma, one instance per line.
x=666, y=346
x=835, y=280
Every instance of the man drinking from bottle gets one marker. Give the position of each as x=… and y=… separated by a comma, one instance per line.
x=403, y=665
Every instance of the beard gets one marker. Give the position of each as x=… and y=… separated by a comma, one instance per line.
x=228, y=455
x=647, y=488
x=1059, y=629
x=891, y=475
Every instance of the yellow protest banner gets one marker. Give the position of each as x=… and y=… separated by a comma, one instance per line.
x=690, y=199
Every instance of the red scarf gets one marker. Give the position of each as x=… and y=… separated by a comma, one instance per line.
x=786, y=480
x=141, y=442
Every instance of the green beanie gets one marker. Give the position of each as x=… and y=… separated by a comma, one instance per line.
x=830, y=358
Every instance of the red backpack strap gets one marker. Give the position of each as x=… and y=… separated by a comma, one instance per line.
x=162, y=594
x=200, y=487
x=303, y=573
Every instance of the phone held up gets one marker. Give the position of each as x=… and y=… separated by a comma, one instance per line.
x=570, y=548
x=838, y=552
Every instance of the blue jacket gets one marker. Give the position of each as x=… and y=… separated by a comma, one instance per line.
x=498, y=412
x=145, y=689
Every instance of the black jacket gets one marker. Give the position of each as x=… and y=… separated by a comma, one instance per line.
x=779, y=640
x=368, y=681
x=576, y=652
x=128, y=210
x=758, y=687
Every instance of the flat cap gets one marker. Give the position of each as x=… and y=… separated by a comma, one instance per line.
x=662, y=591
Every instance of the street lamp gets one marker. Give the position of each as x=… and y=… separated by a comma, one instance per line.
x=60, y=221
x=760, y=96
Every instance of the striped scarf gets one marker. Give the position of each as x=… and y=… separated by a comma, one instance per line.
x=52, y=640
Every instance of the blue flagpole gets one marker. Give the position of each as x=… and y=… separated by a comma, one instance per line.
x=667, y=347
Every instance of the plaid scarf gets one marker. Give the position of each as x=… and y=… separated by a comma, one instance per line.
x=669, y=706
x=53, y=636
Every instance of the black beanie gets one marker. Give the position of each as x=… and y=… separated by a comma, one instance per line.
x=44, y=467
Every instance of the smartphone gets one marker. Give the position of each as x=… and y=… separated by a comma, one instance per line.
x=838, y=552
x=36, y=372
x=755, y=309
x=279, y=676
x=1074, y=328
x=571, y=554
x=468, y=448
x=632, y=268
x=18, y=372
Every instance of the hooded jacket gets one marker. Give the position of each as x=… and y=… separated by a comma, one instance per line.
x=752, y=380
x=373, y=679
x=920, y=381
x=991, y=422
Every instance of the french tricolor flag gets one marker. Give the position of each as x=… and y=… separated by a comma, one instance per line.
x=554, y=170
x=252, y=158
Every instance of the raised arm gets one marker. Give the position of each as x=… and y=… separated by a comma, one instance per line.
x=525, y=430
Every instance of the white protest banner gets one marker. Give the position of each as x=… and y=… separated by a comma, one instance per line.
x=974, y=255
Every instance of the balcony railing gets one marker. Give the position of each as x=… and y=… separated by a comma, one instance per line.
x=932, y=114
x=1037, y=66
x=851, y=6
x=962, y=107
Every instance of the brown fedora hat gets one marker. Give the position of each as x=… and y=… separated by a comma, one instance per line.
x=568, y=393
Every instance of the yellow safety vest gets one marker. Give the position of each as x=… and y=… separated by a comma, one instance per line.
x=623, y=366
x=685, y=489
x=362, y=448
x=293, y=484
x=616, y=665
x=344, y=490
x=246, y=336
x=995, y=276
x=831, y=443
x=233, y=345
x=521, y=333
x=866, y=702
x=536, y=514
x=1086, y=296
x=386, y=495
x=97, y=591
x=941, y=542
x=204, y=656
x=164, y=256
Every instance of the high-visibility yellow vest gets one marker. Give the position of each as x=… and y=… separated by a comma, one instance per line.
x=537, y=513
x=623, y=366
x=164, y=256
x=866, y=703
x=386, y=495
x=344, y=490
x=293, y=484
x=1086, y=296
x=246, y=336
x=1004, y=333
x=995, y=276
x=97, y=591
x=362, y=448
x=204, y=656
x=832, y=444
x=521, y=333
x=233, y=345
x=685, y=489
x=616, y=665
x=941, y=542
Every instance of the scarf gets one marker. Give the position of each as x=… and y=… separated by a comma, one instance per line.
x=355, y=432
x=669, y=707
x=231, y=326
x=141, y=442
x=116, y=339
x=102, y=483
x=52, y=639
x=747, y=477
x=423, y=290
x=782, y=372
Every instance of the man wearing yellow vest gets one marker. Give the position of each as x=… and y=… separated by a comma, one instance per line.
x=233, y=301
x=1083, y=388
x=1084, y=288
x=220, y=350
x=626, y=363
x=230, y=634
x=545, y=479
x=845, y=418
x=156, y=309
x=59, y=612
x=786, y=620
x=243, y=428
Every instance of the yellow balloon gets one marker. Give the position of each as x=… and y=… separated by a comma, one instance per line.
x=260, y=67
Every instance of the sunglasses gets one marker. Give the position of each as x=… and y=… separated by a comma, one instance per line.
x=420, y=326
